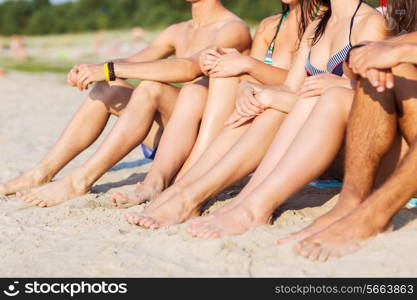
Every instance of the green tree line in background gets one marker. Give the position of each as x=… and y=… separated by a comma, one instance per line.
x=35, y=17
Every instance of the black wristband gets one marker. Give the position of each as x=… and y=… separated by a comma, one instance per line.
x=350, y=50
x=112, y=74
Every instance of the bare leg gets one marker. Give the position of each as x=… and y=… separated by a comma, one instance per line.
x=316, y=146
x=217, y=149
x=282, y=141
x=220, y=105
x=92, y=117
x=129, y=131
x=174, y=147
x=371, y=132
x=242, y=159
x=373, y=215
x=212, y=156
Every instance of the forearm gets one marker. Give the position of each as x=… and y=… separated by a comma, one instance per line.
x=283, y=101
x=281, y=98
x=166, y=70
x=264, y=73
x=403, y=39
x=407, y=53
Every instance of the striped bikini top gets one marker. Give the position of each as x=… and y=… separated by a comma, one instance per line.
x=268, y=57
x=335, y=63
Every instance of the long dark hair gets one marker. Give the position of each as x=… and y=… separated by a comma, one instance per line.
x=308, y=13
x=402, y=16
x=325, y=14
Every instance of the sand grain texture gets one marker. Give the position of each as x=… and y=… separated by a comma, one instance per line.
x=86, y=237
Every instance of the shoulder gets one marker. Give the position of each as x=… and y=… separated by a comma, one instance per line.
x=369, y=23
x=177, y=28
x=234, y=24
x=269, y=23
x=370, y=16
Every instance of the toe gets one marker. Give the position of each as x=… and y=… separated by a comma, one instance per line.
x=148, y=222
x=315, y=252
x=142, y=220
x=306, y=249
x=285, y=239
x=203, y=232
x=324, y=254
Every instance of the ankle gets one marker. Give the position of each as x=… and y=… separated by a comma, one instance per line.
x=42, y=173
x=155, y=183
x=254, y=212
x=79, y=183
x=349, y=199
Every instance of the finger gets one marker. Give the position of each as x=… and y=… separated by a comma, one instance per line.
x=382, y=82
x=373, y=77
x=240, y=111
x=249, y=108
x=233, y=118
x=256, y=103
x=240, y=122
x=228, y=50
x=80, y=78
x=211, y=52
x=311, y=93
x=211, y=60
x=306, y=88
x=390, y=80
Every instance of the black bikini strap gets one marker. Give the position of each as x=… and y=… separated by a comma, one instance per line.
x=352, y=20
x=278, y=28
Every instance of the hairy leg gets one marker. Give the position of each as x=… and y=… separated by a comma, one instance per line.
x=220, y=105
x=129, y=131
x=238, y=162
x=316, y=145
x=92, y=117
x=371, y=131
x=175, y=145
x=373, y=215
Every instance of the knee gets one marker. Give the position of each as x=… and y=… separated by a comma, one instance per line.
x=147, y=94
x=115, y=98
x=333, y=96
x=194, y=89
x=150, y=88
x=102, y=92
x=193, y=94
x=336, y=100
x=404, y=70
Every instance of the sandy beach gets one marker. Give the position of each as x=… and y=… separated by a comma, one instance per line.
x=86, y=237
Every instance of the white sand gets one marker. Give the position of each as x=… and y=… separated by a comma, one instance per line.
x=86, y=237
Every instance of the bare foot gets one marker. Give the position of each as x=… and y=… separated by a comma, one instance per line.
x=53, y=193
x=33, y=178
x=197, y=222
x=141, y=194
x=235, y=221
x=176, y=210
x=340, y=210
x=341, y=238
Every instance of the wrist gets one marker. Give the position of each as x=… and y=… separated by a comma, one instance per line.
x=247, y=64
x=406, y=53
